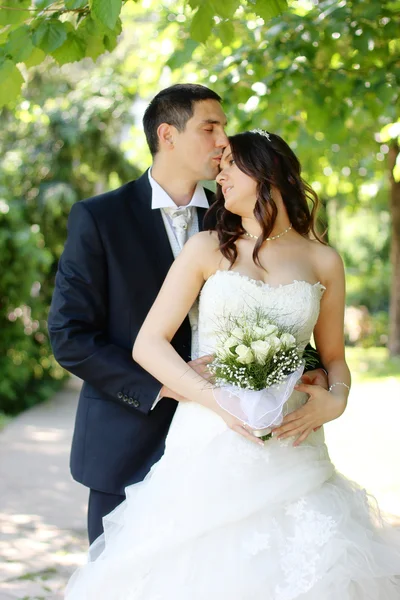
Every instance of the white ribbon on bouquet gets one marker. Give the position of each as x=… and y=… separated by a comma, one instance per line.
x=261, y=410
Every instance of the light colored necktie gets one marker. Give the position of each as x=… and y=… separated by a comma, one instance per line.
x=181, y=218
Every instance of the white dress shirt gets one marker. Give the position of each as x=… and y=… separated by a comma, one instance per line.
x=160, y=198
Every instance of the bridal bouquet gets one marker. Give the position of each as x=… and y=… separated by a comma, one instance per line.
x=257, y=363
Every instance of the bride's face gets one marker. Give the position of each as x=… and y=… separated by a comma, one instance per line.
x=239, y=190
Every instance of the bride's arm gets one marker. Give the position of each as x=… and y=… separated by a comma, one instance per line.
x=329, y=330
x=153, y=349
x=324, y=406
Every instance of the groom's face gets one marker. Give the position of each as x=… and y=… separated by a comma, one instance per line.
x=199, y=147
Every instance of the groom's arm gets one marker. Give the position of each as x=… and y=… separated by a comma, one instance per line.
x=78, y=320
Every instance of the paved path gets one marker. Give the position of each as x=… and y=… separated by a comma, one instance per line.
x=43, y=512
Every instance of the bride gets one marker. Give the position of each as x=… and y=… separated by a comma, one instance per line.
x=224, y=516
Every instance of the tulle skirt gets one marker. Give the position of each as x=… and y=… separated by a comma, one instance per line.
x=220, y=518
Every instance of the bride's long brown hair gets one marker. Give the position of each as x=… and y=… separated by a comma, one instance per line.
x=270, y=162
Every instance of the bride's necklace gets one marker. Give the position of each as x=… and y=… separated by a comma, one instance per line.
x=269, y=239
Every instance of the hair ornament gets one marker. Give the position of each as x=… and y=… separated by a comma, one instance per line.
x=262, y=132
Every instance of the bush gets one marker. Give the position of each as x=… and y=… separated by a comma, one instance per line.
x=59, y=145
x=28, y=372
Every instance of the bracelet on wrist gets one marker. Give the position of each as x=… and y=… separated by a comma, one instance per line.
x=338, y=383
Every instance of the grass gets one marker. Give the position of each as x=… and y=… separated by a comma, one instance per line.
x=368, y=364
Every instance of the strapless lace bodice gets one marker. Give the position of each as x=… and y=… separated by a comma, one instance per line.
x=228, y=293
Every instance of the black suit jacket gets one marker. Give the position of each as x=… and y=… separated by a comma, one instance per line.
x=114, y=262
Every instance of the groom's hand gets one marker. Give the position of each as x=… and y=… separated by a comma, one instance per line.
x=316, y=377
x=200, y=365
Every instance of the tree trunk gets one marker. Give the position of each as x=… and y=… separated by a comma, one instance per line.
x=394, y=313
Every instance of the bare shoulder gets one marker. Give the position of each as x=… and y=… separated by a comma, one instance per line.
x=328, y=262
x=205, y=240
x=201, y=251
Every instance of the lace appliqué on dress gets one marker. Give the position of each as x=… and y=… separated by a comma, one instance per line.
x=300, y=552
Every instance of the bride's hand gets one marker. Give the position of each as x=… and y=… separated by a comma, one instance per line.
x=237, y=425
x=321, y=407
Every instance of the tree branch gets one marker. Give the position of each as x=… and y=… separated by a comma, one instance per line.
x=44, y=10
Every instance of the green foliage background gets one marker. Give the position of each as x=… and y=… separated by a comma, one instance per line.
x=60, y=145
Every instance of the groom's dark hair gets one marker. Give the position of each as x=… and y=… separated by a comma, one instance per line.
x=175, y=106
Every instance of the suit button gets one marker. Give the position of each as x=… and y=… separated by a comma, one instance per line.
x=120, y=395
x=130, y=401
x=136, y=403
x=126, y=398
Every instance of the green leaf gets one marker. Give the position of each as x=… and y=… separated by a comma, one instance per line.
x=93, y=33
x=19, y=44
x=88, y=26
x=72, y=50
x=182, y=56
x=17, y=15
x=72, y=4
x=37, y=56
x=110, y=41
x=106, y=11
x=393, y=6
x=50, y=35
x=95, y=47
x=226, y=8
x=268, y=9
x=11, y=80
x=202, y=23
x=4, y=34
x=226, y=32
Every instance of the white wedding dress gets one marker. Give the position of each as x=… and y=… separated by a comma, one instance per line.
x=221, y=518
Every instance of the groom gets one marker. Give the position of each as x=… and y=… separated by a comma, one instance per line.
x=119, y=249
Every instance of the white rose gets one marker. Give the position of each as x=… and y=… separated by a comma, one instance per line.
x=270, y=330
x=288, y=340
x=258, y=331
x=245, y=355
x=237, y=333
x=261, y=350
x=230, y=343
x=224, y=353
x=275, y=342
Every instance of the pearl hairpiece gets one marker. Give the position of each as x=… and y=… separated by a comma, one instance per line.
x=262, y=132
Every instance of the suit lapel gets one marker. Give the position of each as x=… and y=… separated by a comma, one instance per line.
x=150, y=227
x=201, y=212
